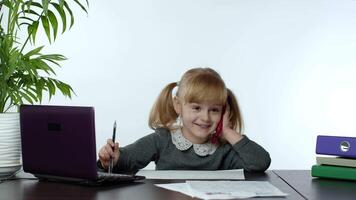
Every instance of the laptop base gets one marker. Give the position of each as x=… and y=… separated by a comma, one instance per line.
x=119, y=179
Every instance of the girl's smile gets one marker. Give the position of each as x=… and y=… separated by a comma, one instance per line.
x=203, y=126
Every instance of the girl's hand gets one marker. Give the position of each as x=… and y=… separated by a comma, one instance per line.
x=226, y=120
x=109, y=150
x=231, y=135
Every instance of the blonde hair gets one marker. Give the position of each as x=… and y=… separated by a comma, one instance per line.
x=196, y=85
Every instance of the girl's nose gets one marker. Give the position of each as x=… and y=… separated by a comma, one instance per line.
x=205, y=116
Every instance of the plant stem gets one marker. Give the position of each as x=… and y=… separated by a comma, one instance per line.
x=8, y=108
x=3, y=108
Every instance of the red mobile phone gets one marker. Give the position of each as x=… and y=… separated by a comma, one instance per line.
x=219, y=127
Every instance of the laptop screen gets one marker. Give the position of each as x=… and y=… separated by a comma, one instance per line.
x=58, y=141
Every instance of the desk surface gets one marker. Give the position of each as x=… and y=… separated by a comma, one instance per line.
x=33, y=189
x=297, y=183
x=317, y=188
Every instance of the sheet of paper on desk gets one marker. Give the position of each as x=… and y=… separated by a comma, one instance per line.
x=233, y=189
x=225, y=189
x=236, y=174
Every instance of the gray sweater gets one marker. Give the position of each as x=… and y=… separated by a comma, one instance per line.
x=158, y=147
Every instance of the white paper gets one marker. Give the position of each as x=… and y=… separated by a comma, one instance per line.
x=225, y=189
x=232, y=189
x=178, y=187
x=236, y=174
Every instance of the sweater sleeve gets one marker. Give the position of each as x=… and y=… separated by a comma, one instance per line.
x=248, y=155
x=140, y=153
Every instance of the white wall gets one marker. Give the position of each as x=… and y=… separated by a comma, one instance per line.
x=290, y=62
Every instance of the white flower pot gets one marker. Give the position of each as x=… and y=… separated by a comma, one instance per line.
x=10, y=143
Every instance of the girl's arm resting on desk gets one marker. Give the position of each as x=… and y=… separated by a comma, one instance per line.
x=249, y=156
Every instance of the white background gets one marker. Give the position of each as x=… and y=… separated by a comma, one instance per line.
x=291, y=64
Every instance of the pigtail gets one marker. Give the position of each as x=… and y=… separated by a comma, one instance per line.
x=235, y=112
x=162, y=113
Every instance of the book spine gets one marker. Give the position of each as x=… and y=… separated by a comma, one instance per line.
x=335, y=172
x=334, y=145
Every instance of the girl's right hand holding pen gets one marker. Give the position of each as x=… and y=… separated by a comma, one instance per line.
x=108, y=151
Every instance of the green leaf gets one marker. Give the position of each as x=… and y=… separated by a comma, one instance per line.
x=29, y=31
x=51, y=88
x=29, y=92
x=39, y=88
x=82, y=5
x=34, y=31
x=57, y=57
x=25, y=23
x=46, y=27
x=52, y=61
x=52, y=58
x=64, y=88
x=33, y=91
x=41, y=65
x=29, y=70
x=31, y=12
x=70, y=13
x=61, y=3
x=16, y=98
x=27, y=18
x=52, y=18
x=34, y=52
x=27, y=5
x=13, y=17
x=25, y=96
x=45, y=4
x=61, y=12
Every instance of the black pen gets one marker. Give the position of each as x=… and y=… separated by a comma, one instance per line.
x=111, y=164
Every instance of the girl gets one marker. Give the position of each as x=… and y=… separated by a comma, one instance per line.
x=185, y=126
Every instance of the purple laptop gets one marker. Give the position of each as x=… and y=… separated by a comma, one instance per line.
x=58, y=143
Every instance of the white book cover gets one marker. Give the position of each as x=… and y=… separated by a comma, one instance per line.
x=337, y=161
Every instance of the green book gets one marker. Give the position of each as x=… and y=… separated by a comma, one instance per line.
x=336, y=172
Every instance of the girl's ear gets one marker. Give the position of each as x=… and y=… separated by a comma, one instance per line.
x=177, y=105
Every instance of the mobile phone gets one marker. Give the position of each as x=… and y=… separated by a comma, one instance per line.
x=219, y=127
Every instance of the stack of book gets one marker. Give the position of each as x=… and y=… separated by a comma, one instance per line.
x=336, y=157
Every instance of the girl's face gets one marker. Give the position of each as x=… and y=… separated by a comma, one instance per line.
x=199, y=120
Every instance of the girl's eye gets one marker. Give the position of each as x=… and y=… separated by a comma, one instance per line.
x=215, y=110
x=197, y=108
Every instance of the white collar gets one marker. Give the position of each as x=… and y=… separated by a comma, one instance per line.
x=183, y=144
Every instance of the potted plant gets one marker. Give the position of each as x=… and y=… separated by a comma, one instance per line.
x=25, y=72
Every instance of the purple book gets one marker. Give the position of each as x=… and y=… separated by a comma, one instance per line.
x=336, y=145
